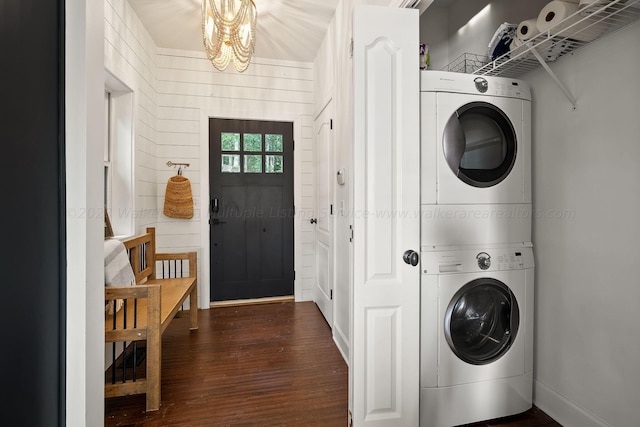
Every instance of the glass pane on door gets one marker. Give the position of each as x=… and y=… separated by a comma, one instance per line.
x=252, y=142
x=273, y=143
x=230, y=163
x=253, y=163
x=273, y=164
x=230, y=141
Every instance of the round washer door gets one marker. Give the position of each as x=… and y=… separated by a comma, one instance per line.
x=481, y=321
x=480, y=144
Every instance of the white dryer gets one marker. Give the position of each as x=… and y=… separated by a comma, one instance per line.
x=476, y=334
x=475, y=159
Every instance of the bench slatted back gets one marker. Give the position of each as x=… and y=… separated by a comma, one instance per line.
x=141, y=251
x=138, y=320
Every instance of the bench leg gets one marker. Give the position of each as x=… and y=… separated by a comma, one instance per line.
x=153, y=373
x=154, y=358
x=193, y=308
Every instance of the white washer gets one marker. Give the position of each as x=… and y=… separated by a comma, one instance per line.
x=475, y=159
x=476, y=338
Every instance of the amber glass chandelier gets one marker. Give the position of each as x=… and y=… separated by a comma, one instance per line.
x=228, y=30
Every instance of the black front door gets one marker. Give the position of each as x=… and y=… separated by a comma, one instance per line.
x=251, y=220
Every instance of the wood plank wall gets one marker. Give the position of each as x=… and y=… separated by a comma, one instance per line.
x=175, y=90
x=131, y=56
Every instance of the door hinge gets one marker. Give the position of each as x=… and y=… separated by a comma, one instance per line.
x=331, y=124
x=294, y=275
x=331, y=294
x=331, y=209
x=351, y=48
x=293, y=144
x=351, y=231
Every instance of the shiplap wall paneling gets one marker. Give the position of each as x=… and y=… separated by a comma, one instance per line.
x=130, y=55
x=188, y=85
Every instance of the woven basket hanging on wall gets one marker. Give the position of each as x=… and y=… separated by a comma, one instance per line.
x=178, y=200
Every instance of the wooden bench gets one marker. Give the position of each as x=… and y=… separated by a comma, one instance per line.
x=163, y=283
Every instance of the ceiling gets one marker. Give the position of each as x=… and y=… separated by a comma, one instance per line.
x=287, y=29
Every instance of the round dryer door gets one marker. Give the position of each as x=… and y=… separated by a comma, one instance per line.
x=481, y=321
x=480, y=144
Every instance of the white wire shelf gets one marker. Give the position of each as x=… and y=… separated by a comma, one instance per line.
x=602, y=18
x=467, y=63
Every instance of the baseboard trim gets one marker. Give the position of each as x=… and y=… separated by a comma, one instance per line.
x=562, y=409
x=341, y=342
x=268, y=300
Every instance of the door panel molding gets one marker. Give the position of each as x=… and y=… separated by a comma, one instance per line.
x=325, y=237
x=384, y=361
x=383, y=396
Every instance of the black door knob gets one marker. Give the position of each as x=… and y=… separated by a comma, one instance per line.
x=411, y=257
x=313, y=221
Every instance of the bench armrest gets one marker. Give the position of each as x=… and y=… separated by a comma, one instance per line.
x=140, y=316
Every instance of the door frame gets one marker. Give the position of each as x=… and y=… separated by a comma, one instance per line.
x=204, y=290
x=327, y=106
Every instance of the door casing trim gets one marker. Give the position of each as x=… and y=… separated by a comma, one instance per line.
x=204, y=290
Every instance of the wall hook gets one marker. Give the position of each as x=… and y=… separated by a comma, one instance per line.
x=180, y=165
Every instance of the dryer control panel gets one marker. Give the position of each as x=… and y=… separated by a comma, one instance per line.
x=445, y=81
x=476, y=260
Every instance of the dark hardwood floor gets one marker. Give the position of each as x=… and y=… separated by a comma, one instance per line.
x=255, y=365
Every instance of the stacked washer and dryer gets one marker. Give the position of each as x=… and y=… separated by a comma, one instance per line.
x=476, y=252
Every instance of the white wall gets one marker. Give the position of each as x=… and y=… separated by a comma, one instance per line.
x=331, y=61
x=190, y=91
x=84, y=99
x=586, y=170
x=130, y=56
x=434, y=31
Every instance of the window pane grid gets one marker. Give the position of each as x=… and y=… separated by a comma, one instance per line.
x=252, y=142
x=256, y=162
x=273, y=143
x=273, y=164
x=230, y=141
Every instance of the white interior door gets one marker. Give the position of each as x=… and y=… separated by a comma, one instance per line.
x=384, y=369
x=324, y=231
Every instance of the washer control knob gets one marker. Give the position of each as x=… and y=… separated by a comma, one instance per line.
x=484, y=260
x=482, y=85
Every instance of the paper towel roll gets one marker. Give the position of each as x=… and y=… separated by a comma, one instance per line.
x=557, y=15
x=527, y=30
